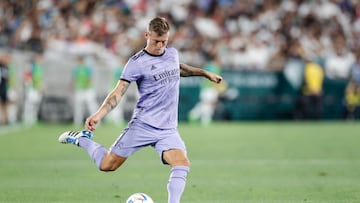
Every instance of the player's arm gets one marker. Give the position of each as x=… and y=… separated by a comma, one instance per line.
x=109, y=103
x=187, y=70
x=114, y=97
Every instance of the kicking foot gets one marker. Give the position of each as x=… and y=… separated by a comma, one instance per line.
x=73, y=137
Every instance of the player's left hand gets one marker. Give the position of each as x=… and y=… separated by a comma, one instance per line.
x=214, y=77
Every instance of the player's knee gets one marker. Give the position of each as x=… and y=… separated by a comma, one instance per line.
x=181, y=162
x=176, y=158
x=111, y=162
x=107, y=168
x=187, y=163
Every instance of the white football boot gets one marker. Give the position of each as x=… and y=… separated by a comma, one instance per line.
x=73, y=137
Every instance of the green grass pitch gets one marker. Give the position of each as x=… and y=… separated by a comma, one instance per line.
x=237, y=162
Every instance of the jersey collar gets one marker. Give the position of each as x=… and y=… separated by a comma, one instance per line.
x=154, y=54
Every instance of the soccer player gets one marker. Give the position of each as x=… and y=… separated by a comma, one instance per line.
x=157, y=71
x=4, y=79
x=85, y=95
x=34, y=88
x=204, y=110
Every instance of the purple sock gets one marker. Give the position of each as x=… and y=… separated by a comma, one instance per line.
x=177, y=183
x=95, y=150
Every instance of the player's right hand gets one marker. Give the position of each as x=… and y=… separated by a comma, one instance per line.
x=91, y=122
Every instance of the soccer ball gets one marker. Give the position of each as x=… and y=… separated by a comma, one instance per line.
x=139, y=198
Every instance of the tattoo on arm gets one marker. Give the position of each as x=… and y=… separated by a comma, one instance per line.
x=186, y=71
x=111, y=103
x=124, y=88
x=113, y=99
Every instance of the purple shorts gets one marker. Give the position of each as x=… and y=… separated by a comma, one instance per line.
x=138, y=135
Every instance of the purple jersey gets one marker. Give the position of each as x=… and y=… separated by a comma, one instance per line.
x=158, y=79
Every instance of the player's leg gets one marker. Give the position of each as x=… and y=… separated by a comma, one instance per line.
x=176, y=157
x=173, y=152
x=3, y=106
x=111, y=161
x=12, y=107
x=79, y=108
x=104, y=160
x=37, y=97
x=209, y=100
x=132, y=139
x=26, y=114
x=179, y=163
x=195, y=113
x=90, y=101
x=4, y=114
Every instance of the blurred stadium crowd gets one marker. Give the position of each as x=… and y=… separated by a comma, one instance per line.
x=246, y=35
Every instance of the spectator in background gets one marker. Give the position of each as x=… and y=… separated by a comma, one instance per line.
x=34, y=88
x=12, y=94
x=4, y=79
x=209, y=94
x=278, y=61
x=352, y=92
x=352, y=101
x=240, y=28
x=310, y=103
x=85, y=96
x=338, y=64
x=29, y=32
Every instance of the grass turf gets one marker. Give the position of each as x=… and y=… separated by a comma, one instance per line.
x=231, y=162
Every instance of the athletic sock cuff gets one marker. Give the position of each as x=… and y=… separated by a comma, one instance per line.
x=180, y=168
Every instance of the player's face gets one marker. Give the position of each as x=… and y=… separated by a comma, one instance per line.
x=156, y=44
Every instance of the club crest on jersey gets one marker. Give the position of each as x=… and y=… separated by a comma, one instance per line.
x=153, y=67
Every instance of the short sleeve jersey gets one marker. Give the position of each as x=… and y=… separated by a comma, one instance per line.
x=157, y=78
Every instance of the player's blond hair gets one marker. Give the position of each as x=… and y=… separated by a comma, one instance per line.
x=159, y=25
